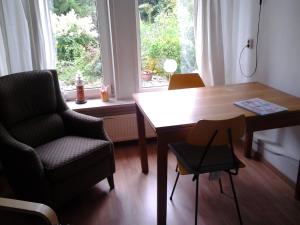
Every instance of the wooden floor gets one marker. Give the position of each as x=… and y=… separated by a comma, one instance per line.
x=264, y=198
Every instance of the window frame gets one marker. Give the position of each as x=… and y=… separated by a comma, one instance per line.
x=141, y=88
x=104, y=30
x=139, y=59
x=115, y=65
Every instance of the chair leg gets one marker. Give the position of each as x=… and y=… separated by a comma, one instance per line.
x=221, y=186
x=111, y=182
x=196, y=204
x=174, y=186
x=235, y=199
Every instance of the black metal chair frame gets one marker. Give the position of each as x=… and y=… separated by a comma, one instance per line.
x=229, y=171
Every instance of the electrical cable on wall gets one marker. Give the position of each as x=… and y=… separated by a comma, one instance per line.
x=249, y=45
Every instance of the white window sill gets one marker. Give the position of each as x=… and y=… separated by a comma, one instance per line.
x=98, y=108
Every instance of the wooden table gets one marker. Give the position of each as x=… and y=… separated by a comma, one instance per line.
x=173, y=113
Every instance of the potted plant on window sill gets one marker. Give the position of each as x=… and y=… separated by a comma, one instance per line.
x=150, y=68
x=147, y=75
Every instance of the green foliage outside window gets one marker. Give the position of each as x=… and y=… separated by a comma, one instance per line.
x=81, y=7
x=161, y=36
x=78, y=49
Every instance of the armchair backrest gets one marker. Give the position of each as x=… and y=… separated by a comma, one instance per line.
x=30, y=103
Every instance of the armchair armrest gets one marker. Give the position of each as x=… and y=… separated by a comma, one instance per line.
x=83, y=125
x=22, y=166
x=19, y=207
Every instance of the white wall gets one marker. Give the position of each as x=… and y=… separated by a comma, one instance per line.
x=278, y=66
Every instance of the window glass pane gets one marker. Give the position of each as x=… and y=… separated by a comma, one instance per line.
x=166, y=32
x=74, y=24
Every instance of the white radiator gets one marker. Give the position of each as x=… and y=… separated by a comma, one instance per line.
x=124, y=128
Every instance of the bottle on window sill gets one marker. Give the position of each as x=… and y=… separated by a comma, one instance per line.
x=104, y=93
x=80, y=97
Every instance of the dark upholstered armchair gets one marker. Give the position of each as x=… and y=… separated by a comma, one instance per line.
x=49, y=152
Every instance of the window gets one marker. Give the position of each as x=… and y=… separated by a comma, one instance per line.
x=77, y=41
x=166, y=32
x=108, y=41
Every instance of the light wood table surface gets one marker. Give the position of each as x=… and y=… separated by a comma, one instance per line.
x=173, y=113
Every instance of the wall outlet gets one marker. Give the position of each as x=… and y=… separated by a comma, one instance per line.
x=250, y=43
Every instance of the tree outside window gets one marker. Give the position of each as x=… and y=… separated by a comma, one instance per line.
x=166, y=32
x=76, y=36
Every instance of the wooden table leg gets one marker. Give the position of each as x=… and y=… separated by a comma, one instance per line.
x=297, y=189
x=248, y=144
x=142, y=140
x=162, y=164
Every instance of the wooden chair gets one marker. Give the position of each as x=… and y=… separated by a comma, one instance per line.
x=209, y=148
x=189, y=80
x=23, y=212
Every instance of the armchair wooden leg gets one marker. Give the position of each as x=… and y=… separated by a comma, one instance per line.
x=111, y=182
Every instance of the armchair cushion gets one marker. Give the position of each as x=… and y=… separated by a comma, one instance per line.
x=65, y=156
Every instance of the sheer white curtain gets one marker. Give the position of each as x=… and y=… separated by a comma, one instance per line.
x=215, y=34
x=25, y=36
x=3, y=62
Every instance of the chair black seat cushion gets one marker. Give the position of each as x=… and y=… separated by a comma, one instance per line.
x=218, y=158
x=66, y=156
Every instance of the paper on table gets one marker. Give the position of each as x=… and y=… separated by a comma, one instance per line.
x=260, y=106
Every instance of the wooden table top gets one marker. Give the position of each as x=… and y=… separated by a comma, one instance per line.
x=185, y=107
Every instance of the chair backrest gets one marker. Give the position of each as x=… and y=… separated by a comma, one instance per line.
x=189, y=80
x=30, y=103
x=205, y=129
